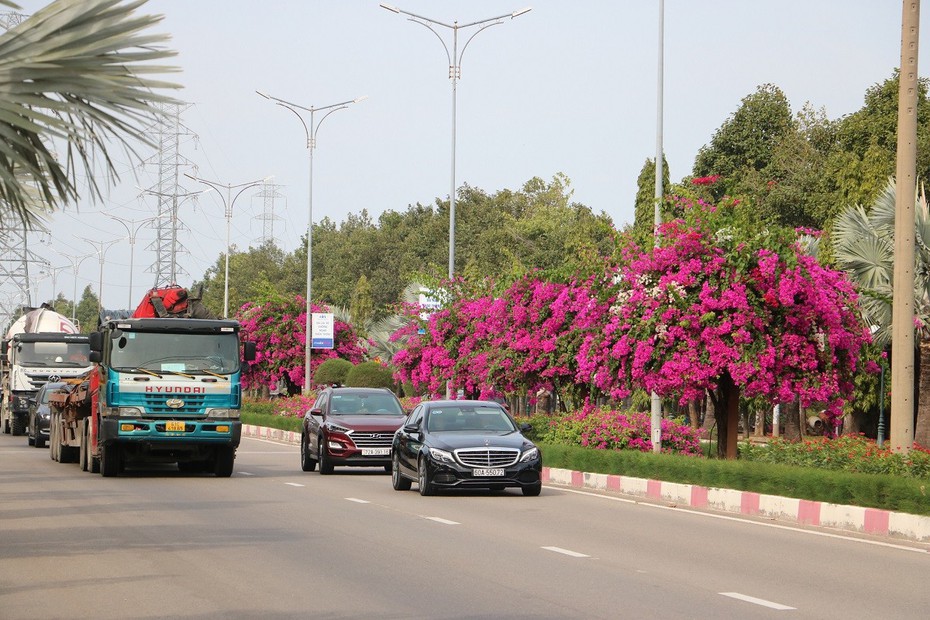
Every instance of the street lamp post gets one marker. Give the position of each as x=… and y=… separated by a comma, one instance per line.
x=75, y=265
x=310, y=131
x=133, y=231
x=228, y=203
x=455, y=73
x=101, y=251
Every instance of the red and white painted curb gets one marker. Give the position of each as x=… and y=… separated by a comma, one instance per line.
x=798, y=511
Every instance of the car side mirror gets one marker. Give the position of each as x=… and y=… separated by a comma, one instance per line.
x=317, y=412
x=524, y=427
x=248, y=351
x=411, y=428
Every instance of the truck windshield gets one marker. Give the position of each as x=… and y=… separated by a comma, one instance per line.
x=52, y=354
x=167, y=352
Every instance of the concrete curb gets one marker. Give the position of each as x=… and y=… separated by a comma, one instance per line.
x=870, y=521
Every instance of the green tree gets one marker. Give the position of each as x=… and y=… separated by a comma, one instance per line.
x=362, y=308
x=77, y=73
x=864, y=246
x=86, y=312
x=645, y=216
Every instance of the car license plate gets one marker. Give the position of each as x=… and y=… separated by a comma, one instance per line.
x=375, y=451
x=487, y=473
x=174, y=425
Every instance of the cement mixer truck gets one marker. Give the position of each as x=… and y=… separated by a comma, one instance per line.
x=40, y=346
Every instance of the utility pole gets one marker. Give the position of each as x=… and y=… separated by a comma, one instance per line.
x=268, y=193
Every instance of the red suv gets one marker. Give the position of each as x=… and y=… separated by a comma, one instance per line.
x=350, y=426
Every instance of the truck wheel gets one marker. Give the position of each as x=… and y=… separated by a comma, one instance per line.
x=109, y=460
x=6, y=427
x=69, y=454
x=225, y=457
x=19, y=426
x=53, y=440
x=30, y=439
x=39, y=441
x=82, y=451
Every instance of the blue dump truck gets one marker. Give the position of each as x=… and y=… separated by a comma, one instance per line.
x=163, y=389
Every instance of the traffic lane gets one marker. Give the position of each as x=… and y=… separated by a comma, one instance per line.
x=679, y=544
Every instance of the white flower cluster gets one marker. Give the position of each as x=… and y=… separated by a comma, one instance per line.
x=821, y=339
x=662, y=331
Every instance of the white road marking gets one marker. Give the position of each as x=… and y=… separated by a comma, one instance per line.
x=696, y=512
x=244, y=473
x=567, y=552
x=757, y=601
x=293, y=484
x=443, y=521
x=357, y=501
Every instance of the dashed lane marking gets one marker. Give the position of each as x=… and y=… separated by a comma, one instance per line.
x=357, y=501
x=443, y=521
x=567, y=552
x=293, y=484
x=757, y=601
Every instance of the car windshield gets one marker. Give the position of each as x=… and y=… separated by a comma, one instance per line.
x=362, y=404
x=471, y=419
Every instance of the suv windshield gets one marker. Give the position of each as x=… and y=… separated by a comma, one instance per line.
x=362, y=403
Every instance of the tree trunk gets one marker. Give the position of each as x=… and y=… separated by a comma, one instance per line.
x=791, y=420
x=727, y=413
x=922, y=426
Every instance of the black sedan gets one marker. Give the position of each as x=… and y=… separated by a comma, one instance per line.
x=39, y=415
x=447, y=444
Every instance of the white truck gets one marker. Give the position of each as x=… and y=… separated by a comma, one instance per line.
x=40, y=346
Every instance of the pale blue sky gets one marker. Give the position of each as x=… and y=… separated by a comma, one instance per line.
x=569, y=87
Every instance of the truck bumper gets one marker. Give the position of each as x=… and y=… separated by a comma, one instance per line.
x=152, y=436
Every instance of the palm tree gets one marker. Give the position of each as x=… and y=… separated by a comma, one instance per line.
x=74, y=77
x=864, y=246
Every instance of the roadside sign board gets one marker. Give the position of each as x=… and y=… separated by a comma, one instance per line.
x=321, y=330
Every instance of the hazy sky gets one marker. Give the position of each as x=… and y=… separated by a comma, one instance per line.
x=569, y=87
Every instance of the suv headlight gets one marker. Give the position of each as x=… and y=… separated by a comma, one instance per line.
x=530, y=455
x=336, y=428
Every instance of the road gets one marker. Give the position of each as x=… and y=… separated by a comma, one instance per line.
x=273, y=542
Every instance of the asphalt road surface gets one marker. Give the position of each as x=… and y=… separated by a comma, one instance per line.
x=273, y=542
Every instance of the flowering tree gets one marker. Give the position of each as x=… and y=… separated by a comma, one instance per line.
x=729, y=311
x=278, y=328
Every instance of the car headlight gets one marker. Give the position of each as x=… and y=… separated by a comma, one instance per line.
x=530, y=455
x=45, y=415
x=336, y=428
x=442, y=456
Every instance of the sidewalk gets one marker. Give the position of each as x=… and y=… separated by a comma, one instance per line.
x=871, y=521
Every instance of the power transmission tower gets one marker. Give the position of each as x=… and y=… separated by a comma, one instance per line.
x=168, y=161
x=14, y=251
x=268, y=193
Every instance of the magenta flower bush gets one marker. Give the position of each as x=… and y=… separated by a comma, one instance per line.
x=278, y=330
x=608, y=429
x=716, y=309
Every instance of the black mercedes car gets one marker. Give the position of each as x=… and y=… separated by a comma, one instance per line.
x=447, y=444
x=39, y=414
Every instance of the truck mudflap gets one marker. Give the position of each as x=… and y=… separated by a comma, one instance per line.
x=170, y=434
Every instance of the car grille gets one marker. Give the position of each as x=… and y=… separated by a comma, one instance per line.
x=158, y=404
x=381, y=439
x=487, y=457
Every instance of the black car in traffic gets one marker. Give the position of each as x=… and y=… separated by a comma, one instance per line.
x=458, y=444
x=40, y=415
x=350, y=426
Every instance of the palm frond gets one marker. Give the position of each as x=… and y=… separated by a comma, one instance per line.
x=77, y=72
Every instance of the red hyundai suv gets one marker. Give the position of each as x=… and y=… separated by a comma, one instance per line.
x=350, y=426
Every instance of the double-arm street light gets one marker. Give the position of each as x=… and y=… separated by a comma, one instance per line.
x=228, y=203
x=455, y=73
x=133, y=230
x=100, y=248
x=75, y=265
x=310, y=131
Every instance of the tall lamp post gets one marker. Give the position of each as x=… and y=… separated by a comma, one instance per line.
x=133, y=231
x=75, y=265
x=101, y=248
x=228, y=203
x=455, y=73
x=310, y=131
